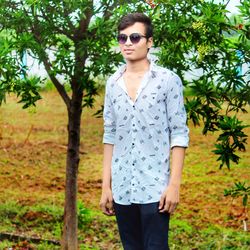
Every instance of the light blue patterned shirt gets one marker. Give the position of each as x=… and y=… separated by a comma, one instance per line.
x=143, y=132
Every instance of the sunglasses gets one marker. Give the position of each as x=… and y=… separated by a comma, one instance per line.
x=134, y=38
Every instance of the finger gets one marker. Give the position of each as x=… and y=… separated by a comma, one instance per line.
x=104, y=208
x=109, y=206
x=166, y=207
x=172, y=208
x=176, y=204
x=108, y=211
x=111, y=209
x=161, y=203
x=111, y=212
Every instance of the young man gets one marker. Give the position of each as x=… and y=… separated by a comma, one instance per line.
x=144, y=117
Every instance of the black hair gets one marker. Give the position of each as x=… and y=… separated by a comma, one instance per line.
x=132, y=18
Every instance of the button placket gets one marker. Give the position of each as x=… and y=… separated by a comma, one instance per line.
x=134, y=130
x=133, y=167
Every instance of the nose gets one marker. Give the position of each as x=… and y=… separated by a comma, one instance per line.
x=128, y=42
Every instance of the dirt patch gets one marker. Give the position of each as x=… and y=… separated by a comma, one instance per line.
x=33, y=157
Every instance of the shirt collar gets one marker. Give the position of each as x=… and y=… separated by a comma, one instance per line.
x=122, y=68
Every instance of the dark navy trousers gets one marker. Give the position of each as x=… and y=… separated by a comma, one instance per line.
x=142, y=227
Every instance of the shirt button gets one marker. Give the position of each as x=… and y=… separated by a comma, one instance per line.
x=133, y=144
x=133, y=124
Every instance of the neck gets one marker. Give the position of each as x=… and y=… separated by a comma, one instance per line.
x=137, y=66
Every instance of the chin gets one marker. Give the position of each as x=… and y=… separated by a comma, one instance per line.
x=130, y=58
x=133, y=58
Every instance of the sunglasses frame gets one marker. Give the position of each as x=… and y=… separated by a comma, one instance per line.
x=130, y=38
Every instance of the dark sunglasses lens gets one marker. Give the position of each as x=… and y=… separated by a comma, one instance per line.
x=135, y=38
x=122, y=38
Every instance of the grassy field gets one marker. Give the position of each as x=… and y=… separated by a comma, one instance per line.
x=32, y=174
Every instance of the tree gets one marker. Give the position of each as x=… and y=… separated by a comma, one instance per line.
x=80, y=34
x=74, y=33
x=10, y=72
x=197, y=39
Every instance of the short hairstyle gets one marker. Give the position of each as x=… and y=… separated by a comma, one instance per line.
x=132, y=18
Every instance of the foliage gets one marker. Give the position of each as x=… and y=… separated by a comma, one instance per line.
x=84, y=215
x=28, y=90
x=10, y=72
x=239, y=190
x=232, y=139
x=198, y=41
x=64, y=31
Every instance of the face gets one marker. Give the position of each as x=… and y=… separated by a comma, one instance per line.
x=135, y=51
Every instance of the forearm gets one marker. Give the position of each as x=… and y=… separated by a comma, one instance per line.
x=178, y=155
x=170, y=197
x=107, y=159
x=106, y=202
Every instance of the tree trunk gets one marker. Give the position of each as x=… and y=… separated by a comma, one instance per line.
x=69, y=239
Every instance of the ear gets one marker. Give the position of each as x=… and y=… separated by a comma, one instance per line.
x=150, y=42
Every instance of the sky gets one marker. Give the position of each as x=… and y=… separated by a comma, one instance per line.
x=231, y=5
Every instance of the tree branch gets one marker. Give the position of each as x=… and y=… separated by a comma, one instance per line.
x=45, y=59
x=55, y=81
x=79, y=36
x=80, y=32
x=17, y=238
x=66, y=16
x=60, y=31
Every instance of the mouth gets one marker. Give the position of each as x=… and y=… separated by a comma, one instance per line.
x=128, y=50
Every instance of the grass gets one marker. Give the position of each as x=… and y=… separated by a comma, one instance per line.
x=32, y=174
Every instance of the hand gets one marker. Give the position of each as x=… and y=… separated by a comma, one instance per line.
x=169, y=199
x=106, y=202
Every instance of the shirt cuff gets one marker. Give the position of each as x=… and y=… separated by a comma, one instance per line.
x=179, y=141
x=108, y=139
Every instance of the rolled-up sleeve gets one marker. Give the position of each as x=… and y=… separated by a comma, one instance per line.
x=177, y=118
x=109, y=118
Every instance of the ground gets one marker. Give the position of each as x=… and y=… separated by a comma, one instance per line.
x=32, y=175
